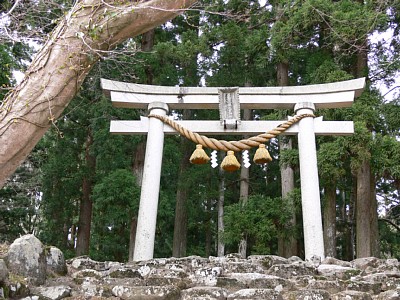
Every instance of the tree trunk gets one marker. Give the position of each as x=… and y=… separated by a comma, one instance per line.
x=350, y=222
x=244, y=191
x=243, y=246
x=137, y=168
x=286, y=246
x=330, y=221
x=208, y=227
x=363, y=222
x=180, y=226
x=375, y=249
x=59, y=68
x=221, y=199
x=132, y=238
x=181, y=214
x=65, y=233
x=138, y=162
x=71, y=242
x=361, y=69
x=282, y=74
x=147, y=45
x=366, y=206
x=85, y=211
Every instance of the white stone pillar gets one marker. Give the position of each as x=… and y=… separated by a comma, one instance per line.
x=147, y=216
x=310, y=196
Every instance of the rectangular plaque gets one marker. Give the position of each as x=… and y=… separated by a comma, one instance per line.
x=229, y=106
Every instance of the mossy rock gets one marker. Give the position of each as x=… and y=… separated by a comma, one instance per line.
x=15, y=278
x=16, y=286
x=125, y=273
x=4, y=250
x=4, y=291
x=351, y=273
x=78, y=281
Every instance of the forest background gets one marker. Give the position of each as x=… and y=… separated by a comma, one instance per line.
x=79, y=188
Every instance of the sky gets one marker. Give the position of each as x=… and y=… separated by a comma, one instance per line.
x=392, y=91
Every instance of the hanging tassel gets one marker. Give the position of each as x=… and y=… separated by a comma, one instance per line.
x=262, y=155
x=230, y=163
x=199, y=156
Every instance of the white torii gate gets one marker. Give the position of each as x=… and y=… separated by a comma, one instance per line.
x=304, y=99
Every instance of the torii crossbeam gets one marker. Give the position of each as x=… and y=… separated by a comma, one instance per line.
x=303, y=99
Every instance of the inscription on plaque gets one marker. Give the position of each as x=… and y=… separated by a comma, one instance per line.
x=229, y=107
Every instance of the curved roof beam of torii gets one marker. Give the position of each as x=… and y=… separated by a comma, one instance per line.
x=329, y=95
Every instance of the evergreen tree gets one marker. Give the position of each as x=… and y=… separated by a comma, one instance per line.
x=116, y=201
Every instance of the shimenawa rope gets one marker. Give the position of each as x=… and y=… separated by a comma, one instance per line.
x=223, y=145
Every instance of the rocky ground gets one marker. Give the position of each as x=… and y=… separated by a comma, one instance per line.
x=229, y=277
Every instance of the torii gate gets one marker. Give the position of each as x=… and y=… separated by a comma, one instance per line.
x=303, y=99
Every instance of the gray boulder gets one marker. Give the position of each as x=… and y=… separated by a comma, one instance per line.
x=54, y=292
x=26, y=257
x=337, y=271
x=204, y=292
x=3, y=271
x=388, y=295
x=264, y=294
x=55, y=261
x=146, y=292
x=307, y=294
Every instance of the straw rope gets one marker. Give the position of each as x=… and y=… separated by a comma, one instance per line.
x=244, y=144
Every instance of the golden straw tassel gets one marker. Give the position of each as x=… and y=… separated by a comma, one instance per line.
x=262, y=155
x=230, y=163
x=199, y=156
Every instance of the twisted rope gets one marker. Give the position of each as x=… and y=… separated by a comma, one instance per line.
x=244, y=144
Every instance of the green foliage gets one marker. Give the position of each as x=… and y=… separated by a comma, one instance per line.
x=165, y=223
x=331, y=160
x=6, y=64
x=115, y=202
x=260, y=219
x=289, y=157
x=238, y=57
x=60, y=185
x=20, y=201
x=324, y=70
x=387, y=157
x=343, y=23
x=12, y=56
x=65, y=164
x=391, y=112
x=359, y=144
x=390, y=239
x=366, y=110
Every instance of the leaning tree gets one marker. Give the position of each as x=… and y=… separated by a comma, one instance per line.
x=90, y=30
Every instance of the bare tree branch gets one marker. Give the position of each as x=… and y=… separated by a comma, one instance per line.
x=391, y=223
x=10, y=11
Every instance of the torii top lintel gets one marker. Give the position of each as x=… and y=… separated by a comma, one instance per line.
x=329, y=95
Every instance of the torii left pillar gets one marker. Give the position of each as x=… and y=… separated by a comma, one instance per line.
x=147, y=216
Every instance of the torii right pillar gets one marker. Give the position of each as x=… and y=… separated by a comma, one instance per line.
x=310, y=197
